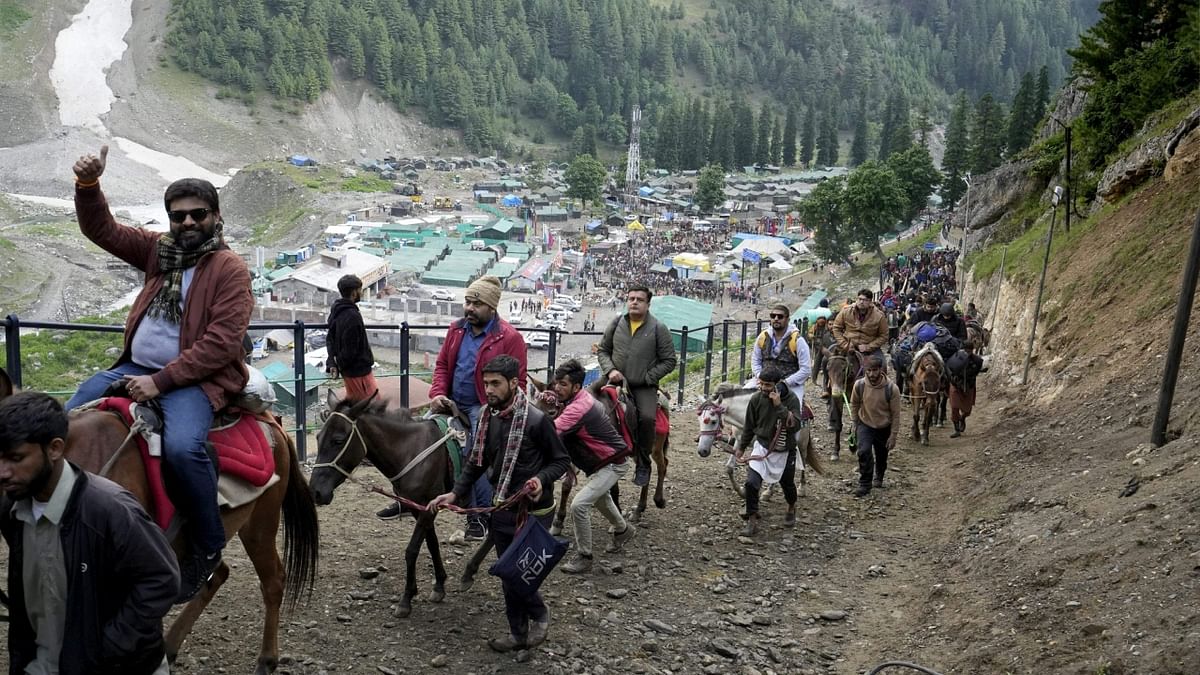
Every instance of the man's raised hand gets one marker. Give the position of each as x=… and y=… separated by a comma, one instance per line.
x=89, y=167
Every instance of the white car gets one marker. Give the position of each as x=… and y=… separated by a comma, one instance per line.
x=569, y=302
x=551, y=323
x=517, y=320
x=538, y=341
x=442, y=294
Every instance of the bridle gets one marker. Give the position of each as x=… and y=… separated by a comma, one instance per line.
x=717, y=410
x=355, y=433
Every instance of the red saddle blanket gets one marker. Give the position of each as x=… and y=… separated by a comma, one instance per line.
x=243, y=451
x=662, y=423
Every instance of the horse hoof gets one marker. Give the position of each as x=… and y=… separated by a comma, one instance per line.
x=465, y=584
x=633, y=516
x=834, y=457
x=925, y=441
x=660, y=503
x=405, y=608
x=266, y=665
x=438, y=595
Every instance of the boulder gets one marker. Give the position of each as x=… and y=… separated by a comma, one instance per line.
x=996, y=193
x=1125, y=174
x=1183, y=150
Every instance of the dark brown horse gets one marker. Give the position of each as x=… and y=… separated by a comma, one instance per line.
x=97, y=443
x=926, y=391
x=411, y=453
x=842, y=371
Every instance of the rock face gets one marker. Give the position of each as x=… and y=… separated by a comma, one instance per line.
x=1183, y=149
x=1067, y=106
x=1150, y=158
x=995, y=193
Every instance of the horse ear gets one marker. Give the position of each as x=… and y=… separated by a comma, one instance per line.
x=359, y=407
x=6, y=385
x=331, y=400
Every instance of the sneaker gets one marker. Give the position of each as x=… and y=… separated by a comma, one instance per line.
x=476, y=530
x=862, y=491
x=580, y=564
x=619, y=539
x=194, y=573
x=506, y=643
x=537, y=632
x=389, y=512
x=641, y=475
x=878, y=482
x=789, y=520
x=751, y=527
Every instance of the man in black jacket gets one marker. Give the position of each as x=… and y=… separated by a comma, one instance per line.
x=349, y=352
x=515, y=445
x=90, y=576
x=951, y=321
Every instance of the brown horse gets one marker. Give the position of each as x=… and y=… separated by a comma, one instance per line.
x=842, y=371
x=410, y=452
x=978, y=335
x=97, y=443
x=926, y=391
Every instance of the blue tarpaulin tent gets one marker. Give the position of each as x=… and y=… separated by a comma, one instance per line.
x=301, y=160
x=510, y=200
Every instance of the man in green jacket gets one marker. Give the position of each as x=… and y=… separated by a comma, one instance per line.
x=772, y=417
x=637, y=350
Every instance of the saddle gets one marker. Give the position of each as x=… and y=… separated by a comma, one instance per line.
x=238, y=445
x=458, y=428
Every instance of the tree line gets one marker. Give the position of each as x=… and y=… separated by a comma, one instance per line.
x=574, y=68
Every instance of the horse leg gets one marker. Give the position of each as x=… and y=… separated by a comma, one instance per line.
x=731, y=472
x=916, y=425
x=439, y=568
x=182, y=626
x=930, y=412
x=468, y=576
x=259, y=542
x=560, y=515
x=410, y=570
x=660, y=463
x=942, y=401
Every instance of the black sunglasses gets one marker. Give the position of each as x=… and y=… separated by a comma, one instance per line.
x=779, y=316
x=196, y=214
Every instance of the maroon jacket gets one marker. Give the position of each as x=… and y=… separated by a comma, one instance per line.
x=216, y=313
x=502, y=339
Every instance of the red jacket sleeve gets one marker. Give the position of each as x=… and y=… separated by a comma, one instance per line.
x=442, y=368
x=132, y=245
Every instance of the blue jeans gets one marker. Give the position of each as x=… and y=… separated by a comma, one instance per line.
x=187, y=415
x=481, y=493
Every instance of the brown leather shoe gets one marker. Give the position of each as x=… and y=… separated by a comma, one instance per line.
x=506, y=644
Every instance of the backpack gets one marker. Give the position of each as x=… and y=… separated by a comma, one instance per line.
x=761, y=343
x=887, y=391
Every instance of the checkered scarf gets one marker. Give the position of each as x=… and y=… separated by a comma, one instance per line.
x=173, y=260
x=519, y=411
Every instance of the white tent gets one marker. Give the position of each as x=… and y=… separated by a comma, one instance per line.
x=781, y=265
x=766, y=247
x=799, y=248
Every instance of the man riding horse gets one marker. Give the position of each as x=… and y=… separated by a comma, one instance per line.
x=183, y=339
x=861, y=328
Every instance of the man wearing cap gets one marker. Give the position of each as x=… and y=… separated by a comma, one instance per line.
x=480, y=336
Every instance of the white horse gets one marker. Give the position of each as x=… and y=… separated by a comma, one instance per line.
x=722, y=419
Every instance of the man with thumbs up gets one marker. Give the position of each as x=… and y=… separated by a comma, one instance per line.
x=183, y=340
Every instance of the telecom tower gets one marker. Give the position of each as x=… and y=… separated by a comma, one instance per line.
x=633, y=164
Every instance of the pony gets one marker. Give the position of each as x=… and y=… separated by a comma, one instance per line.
x=979, y=335
x=98, y=442
x=728, y=409
x=411, y=453
x=926, y=391
x=842, y=371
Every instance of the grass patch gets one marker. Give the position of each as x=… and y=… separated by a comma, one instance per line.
x=366, y=182
x=7, y=244
x=57, y=361
x=53, y=229
x=277, y=224
x=12, y=16
x=1160, y=122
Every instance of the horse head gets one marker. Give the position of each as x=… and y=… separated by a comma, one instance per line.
x=710, y=418
x=340, y=447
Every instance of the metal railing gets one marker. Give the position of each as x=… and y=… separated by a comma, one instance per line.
x=689, y=361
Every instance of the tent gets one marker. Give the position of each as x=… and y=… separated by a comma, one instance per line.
x=678, y=312
x=781, y=265
x=772, y=247
x=510, y=200
x=636, y=225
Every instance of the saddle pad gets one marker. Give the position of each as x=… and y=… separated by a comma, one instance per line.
x=453, y=447
x=662, y=423
x=237, y=463
x=806, y=413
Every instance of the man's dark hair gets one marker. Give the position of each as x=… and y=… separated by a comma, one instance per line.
x=873, y=361
x=640, y=287
x=31, y=417
x=348, y=284
x=571, y=371
x=865, y=293
x=771, y=374
x=505, y=365
x=192, y=187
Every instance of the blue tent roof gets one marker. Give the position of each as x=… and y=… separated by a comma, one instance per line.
x=511, y=200
x=594, y=225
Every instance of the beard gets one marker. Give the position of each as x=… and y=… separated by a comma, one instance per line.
x=35, y=484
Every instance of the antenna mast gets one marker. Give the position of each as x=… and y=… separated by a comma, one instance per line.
x=633, y=164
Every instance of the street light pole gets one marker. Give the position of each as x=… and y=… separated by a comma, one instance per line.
x=1069, y=194
x=1037, y=308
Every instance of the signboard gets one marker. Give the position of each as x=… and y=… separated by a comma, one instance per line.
x=929, y=246
x=751, y=256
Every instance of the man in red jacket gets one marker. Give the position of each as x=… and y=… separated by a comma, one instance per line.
x=183, y=340
x=480, y=336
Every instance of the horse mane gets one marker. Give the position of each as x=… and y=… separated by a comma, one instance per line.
x=731, y=390
x=376, y=408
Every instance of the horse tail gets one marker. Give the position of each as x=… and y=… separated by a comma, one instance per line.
x=811, y=457
x=301, y=531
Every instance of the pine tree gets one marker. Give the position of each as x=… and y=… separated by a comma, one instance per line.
x=743, y=135
x=789, y=137
x=808, y=139
x=1022, y=118
x=987, y=135
x=889, y=128
x=777, y=142
x=1043, y=92
x=762, y=143
x=858, y=151
x=827, y=154
x=956, y=159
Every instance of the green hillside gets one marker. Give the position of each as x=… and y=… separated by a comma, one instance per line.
x=508, y=71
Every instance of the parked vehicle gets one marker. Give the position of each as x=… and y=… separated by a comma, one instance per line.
x=538, y=341
x=442, y=294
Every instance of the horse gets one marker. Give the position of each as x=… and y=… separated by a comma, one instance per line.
x=979, y=335
x=410, y=452
x=97, y=443
x=728, y=409
x=842, y=370
x=926, y=377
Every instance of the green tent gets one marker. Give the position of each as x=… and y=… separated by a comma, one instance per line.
x=677, y=312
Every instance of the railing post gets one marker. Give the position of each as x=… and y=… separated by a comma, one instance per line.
x=301, y=403
x=682, y=363
x=551, y=354
x=12, y=349
x=708, y=360
x=724, y=350
x=742, y=367
x=405, y=365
